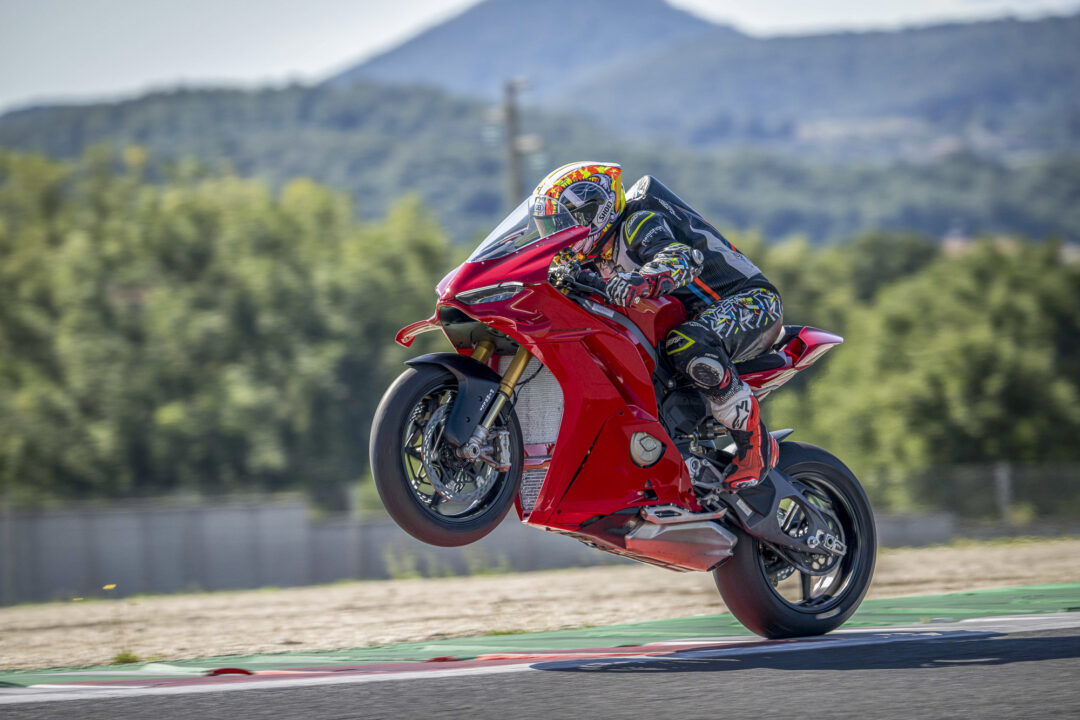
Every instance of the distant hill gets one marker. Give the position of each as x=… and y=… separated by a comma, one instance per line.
x=375, y=141
x=1004, y=87
x=553, y=42
x=995, y=87
x=380, y=142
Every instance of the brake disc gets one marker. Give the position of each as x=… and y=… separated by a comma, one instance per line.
x=455, y=480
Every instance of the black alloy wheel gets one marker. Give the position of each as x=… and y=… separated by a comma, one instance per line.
x=779, y=593
x=428, y=490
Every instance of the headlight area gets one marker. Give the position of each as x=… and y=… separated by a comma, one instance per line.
x=490, y=293
x=465, y=331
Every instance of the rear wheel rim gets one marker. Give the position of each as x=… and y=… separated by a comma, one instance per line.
x=805, y=592
x=436, y=496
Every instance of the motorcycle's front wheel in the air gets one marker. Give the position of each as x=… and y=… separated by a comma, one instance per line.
x=433, y=494
x=780, y=594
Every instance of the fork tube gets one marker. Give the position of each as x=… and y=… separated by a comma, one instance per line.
x=483, y=350
x=506, y=387
x=515, y=371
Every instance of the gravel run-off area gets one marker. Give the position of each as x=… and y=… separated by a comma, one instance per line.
x=358, y=614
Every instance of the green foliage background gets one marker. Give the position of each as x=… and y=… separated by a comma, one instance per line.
x=203, y=332
x=949, y=359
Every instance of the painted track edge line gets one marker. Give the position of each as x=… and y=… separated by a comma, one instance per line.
x=59, y=694
x=855, y=637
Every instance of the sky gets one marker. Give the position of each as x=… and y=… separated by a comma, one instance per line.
x=92, y=49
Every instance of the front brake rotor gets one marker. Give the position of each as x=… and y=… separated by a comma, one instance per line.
x=449, y=476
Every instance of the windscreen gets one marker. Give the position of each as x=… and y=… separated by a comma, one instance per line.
x=536, y=218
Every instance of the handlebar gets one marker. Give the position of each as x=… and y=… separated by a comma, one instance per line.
x=592, y=282
x=581, y=280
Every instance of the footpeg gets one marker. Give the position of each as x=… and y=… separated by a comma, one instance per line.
x=703, y=474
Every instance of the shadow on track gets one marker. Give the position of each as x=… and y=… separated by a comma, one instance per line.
x=916, y=653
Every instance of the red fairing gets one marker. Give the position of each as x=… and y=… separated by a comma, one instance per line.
x=656, y=317
x=625, y=484
x=407, y=334
x=606, y=376
x=815, y=344
x=529, y=265
x=606, y=379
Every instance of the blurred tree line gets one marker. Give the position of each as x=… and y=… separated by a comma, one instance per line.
x=965, y=357
x=202, y=332
x=379, y=142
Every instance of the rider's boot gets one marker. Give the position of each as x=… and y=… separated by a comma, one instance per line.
x=756, y=452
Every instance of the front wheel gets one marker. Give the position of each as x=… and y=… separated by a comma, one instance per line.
x=780, y=595
x=428, y=490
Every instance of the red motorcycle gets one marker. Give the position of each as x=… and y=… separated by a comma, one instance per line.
x=565, y=406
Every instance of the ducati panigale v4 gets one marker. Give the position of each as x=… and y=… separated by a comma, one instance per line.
x=566, y=407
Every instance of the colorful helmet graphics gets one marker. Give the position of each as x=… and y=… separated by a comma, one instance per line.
x=593, y=193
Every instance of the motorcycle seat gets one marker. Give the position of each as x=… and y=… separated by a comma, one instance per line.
x=768, y=361
x=772, y=359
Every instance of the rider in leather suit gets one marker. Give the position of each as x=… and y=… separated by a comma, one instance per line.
x=650, y=243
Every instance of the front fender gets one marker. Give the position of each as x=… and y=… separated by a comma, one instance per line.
x=477, y=387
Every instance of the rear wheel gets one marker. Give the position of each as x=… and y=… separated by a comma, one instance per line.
x=431, y=493
x=778, y=593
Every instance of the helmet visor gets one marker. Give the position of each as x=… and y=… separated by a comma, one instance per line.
x=550, y=216
x=586, y=213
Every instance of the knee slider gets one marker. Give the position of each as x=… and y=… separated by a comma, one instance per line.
x=698, y=353
x=708, y=372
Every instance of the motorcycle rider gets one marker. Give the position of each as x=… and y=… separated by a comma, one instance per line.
x=648, y=243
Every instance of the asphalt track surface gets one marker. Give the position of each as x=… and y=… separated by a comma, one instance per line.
x=1021, y=667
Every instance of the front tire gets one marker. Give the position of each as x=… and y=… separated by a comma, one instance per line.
x=425, y=509
x=769, y=595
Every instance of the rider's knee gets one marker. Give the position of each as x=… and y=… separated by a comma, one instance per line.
x=708, y=373
x=695, y=352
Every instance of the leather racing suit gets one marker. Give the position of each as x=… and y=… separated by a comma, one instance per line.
x=661, y=246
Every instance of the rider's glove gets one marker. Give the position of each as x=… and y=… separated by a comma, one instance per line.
x=625, y=289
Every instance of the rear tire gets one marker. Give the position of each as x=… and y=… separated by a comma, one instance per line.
x=417, y=506
x=750, y=580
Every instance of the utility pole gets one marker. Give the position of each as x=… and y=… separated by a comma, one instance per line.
x=1003, y=490
x=513, y=150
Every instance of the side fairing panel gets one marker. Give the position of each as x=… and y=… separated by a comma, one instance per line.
x=656, y=317
x=609, y=481
x=604, y=374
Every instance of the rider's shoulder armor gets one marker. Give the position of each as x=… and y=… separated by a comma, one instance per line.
x=725, y=270
x=645, y=233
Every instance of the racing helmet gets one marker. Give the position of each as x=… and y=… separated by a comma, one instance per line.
x=593, y=194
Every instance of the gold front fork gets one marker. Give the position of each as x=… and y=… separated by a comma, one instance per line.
x=482, y=351
x=479, y=440
x=509, y=381
x=515, y=371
